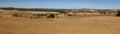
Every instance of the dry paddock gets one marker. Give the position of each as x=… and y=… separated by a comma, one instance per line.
x=63, y=25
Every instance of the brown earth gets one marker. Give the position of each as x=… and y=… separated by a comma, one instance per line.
x=63, y=25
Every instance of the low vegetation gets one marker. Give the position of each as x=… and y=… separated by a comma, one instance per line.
x=118, y=14
x=17, y=15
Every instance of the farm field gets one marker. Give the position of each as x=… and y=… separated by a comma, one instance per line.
x=63, y=25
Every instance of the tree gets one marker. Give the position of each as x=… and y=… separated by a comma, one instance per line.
x=118, y=14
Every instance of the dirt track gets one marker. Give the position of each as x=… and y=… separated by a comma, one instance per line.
x=66, y=25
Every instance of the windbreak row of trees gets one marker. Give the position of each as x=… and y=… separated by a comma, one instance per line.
x=102, y=11
x=32, y=9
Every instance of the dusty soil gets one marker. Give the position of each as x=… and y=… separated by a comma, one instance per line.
x=63, y=25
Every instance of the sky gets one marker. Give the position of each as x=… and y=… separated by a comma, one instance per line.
x=64, y=4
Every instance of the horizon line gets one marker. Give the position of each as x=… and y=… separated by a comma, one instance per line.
x=59, y=8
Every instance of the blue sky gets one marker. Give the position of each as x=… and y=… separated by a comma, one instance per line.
x=70, y=4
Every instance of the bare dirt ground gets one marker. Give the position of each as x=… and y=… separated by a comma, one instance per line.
x=63, y=25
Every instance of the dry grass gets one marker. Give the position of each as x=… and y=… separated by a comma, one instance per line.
x=63, y=25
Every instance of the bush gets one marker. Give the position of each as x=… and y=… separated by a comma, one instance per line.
x=51, y=16
x=15, y=15
x=118, y=14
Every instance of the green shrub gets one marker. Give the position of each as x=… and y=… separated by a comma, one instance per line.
x=118, y=14
x=15, y=15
